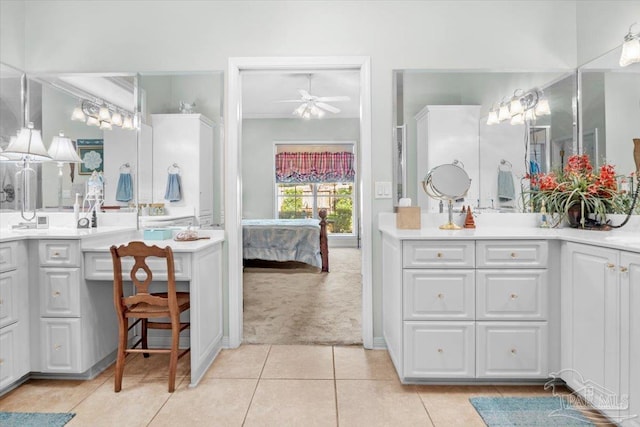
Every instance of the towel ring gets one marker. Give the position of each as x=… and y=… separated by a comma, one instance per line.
x=174, y=168
x=506, y=163
x=125, y=167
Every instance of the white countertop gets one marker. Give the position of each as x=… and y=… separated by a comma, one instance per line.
x=63, y=233
x=624, y=238
x=101, y=245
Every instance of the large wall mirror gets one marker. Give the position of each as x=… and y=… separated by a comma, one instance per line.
x=182, y=142
x=11, y=120
x=610, y=111
x=442, y=117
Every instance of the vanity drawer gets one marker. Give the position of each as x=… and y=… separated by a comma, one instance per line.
x=60, y=292
x=62, y=348
x=99, y=266
x=512, y=349
x=438, y=294
x=59, y=253
x=511, y=253
x=8, y=256
x=439, y=350
x=8, y=298
x=438, y=254
x=511, y=294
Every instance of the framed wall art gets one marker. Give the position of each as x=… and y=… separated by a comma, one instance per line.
x=92, y=154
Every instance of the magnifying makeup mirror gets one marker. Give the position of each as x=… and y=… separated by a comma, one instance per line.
x=447, y=182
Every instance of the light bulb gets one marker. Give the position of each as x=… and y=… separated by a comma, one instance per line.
x=78, y=115
x=93, y=121
x=493, y=118
x=116, y=119
x=503, y=113
x=542, y=108
x=104, y=114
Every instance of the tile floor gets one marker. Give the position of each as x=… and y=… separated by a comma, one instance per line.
x=262, y=385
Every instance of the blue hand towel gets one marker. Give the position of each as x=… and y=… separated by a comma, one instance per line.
x=506, y=189
x=124, y=192
x=173, y=192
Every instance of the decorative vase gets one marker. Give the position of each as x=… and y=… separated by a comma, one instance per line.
x=575, y=216
x=636, y=154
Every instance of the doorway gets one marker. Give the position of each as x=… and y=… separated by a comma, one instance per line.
x=233, y=193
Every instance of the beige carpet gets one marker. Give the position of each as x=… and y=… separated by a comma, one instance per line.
x=293, y=304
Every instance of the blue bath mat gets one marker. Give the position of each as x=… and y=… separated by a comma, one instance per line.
x=528, y=411
x=34, y=419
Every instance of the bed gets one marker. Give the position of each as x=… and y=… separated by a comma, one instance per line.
x=302, y=240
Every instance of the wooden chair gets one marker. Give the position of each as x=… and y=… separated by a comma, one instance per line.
x=143, y=305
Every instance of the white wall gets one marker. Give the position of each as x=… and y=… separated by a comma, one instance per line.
x=199, y=35
x=12, y=28
x=258, y=137
x=601, y=25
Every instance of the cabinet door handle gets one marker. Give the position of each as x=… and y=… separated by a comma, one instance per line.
x=611, y=266
x=57, y=347
x=1, y=362
x=440, y=296
x=514, y=296
x=624, y=269
x=56, y=294
x=439, y=254
x=1, y=301
x=514, y=351
x=440, y=350
x=513, y=255
x=56, y=254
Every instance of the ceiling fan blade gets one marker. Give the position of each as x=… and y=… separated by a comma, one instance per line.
x=333, y=98
x=305, y=94
x=327, y=107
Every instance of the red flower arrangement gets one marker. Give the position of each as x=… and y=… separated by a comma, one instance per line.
x=577, y=187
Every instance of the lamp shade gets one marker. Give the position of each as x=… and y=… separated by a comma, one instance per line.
x=493, y=118
x=503, y=113
x=28, y=145
x=92, y=121
x=116, y=119
x=127, y=123
x=62, y=150
x=78, y=115
x=630, y=50
x=542, y=108
x=104, y=115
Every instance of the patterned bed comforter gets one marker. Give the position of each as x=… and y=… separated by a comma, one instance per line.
x=282, y=240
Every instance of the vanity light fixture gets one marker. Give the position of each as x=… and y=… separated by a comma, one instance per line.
x=27, y=148
x=127, y=123
x=78, y=114
x=522, y=106
x=116, y=119
x=104, y=115
x=62, y=151
x=630, y=48
x=93, y=121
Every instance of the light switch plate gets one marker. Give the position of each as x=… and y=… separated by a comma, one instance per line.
x=382, y=190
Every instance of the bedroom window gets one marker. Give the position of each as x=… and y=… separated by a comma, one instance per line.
x=314, y=177
x=304, y=200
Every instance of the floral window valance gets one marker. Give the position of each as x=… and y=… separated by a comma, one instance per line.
x=315, y=167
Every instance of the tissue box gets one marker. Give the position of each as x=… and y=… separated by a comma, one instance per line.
x=408, y=217
x=158, y=234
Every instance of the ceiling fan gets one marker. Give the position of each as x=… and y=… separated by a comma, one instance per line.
x=314, y=106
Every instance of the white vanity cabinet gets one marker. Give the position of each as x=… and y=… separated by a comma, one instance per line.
x=465, y=309
x=14, y=309
x=187, y=141
x=59, y=296
x=601, y=327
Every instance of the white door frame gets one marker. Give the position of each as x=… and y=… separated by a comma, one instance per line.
x=233, y=174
